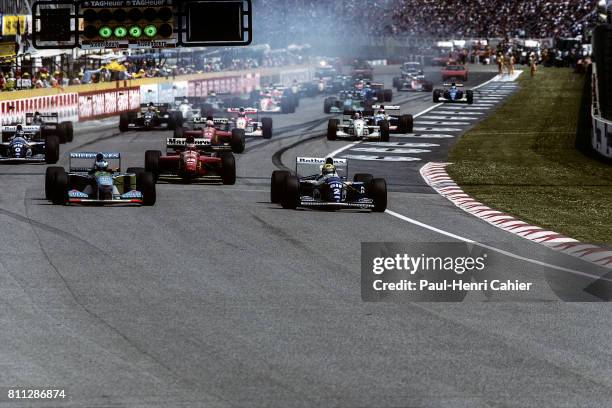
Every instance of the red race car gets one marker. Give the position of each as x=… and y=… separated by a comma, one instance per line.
x=233, y=140
x=189, y=159
x=455, y=72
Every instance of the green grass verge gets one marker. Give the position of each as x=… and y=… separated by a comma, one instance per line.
x=522, y=160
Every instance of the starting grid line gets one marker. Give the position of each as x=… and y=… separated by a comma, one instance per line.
x=442, y=121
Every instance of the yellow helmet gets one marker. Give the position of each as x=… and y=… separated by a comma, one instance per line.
x=328, y=169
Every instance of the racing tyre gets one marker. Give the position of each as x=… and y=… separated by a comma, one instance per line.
x=291, y=192
x=69, y=131
x=238, y=140
x=378, y=193
x=50, y=175
x=146, y=185
x=228, y=169
x=388, y=95
x=277, y=184
x=364, y=178
x=436, y=96
x=470, y=96
x=428, y=87
x=152, y=163
x=327, y=105
x=59, y=187
x=332, y=129
x=124, y=122
x=266, y=128
x=52, y=149
x=384, y=131
x=179, y=132
x=406, y=123
x=396, y=82
x=62, y=132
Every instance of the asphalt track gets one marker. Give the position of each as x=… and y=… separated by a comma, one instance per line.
x=216, y=298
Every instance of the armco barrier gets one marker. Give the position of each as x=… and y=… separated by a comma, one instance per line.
x=65, y=104
x=101, y=104
x=601, y=137
x=601, y=82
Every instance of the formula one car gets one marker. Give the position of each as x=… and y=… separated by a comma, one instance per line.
x=87, y=183
x=275, y=99
x=415, y=83
x=458, y=72
x=232, y=140
x=314, y=186
x=362, y=70
x=368, y=125
x=216, y=103
x=190, y=160
x=152, y=116
x=453, y=94
x=345, y=101
x=251, y=127
x=26, y=144
x=41, y=125
x=411, y=68
x=184, y=110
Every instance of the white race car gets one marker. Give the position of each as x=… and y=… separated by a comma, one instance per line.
x=354, y=125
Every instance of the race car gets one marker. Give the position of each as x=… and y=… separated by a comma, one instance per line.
x=184, y=110
x=415, y=83
x=345, y=101
x=189, y=160
x=458, y=72
x=362, y=70
x=152, y=116
x=26, y=144
x=369, y=125
x=313, y=186
x=216, y=103
x=453, y=94
x=86, y=182
x=41, y=125
x=232, y=140
x=251, y=127
x=274, y=99
x=411, y=68
x=373, y=91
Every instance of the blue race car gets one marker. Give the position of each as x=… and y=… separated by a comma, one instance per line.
x=313, y=187
x=453, y=94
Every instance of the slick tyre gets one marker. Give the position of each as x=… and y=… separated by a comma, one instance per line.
x=52, y=149
x=378, y=193
x=364, y=178
x=332, y=129
x=470, y=96
x=228, y=169
x=124, y=122
x=152, y=163
x=69, y=131
x=266, y=128
x=406, y=124
x=327, y=105
x=238, y=140
x=62, y=133
x=384, y=131
x=59, y=189
x=388, y=95
x=436, y=96
x=50, y=176
x=179, y=132
x=291, y=193
x=277, y=183
x=146, y=185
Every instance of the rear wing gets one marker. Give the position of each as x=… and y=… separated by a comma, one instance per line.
x=248, y=111
x=387, y=107
x=13, y=128
x=456, y=84
x=84, y=161
x=160, y=106
x=216, y=121
x=46, y=117
x=309, y=166
x=178, y=143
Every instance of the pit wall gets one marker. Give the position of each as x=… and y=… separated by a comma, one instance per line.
x=601, y=137
x=95, y=101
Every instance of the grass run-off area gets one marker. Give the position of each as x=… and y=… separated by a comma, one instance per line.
x=522, y=160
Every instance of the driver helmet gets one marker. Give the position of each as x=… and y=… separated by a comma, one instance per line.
x=19, y=131
x=151, y=106
x=357, y=115
x=453, y=85
x=381, y=110
x=101, y=164
x=37, y=117
x=210, y=123
x=241, y=112
x=328, y=167
x=185, y=101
